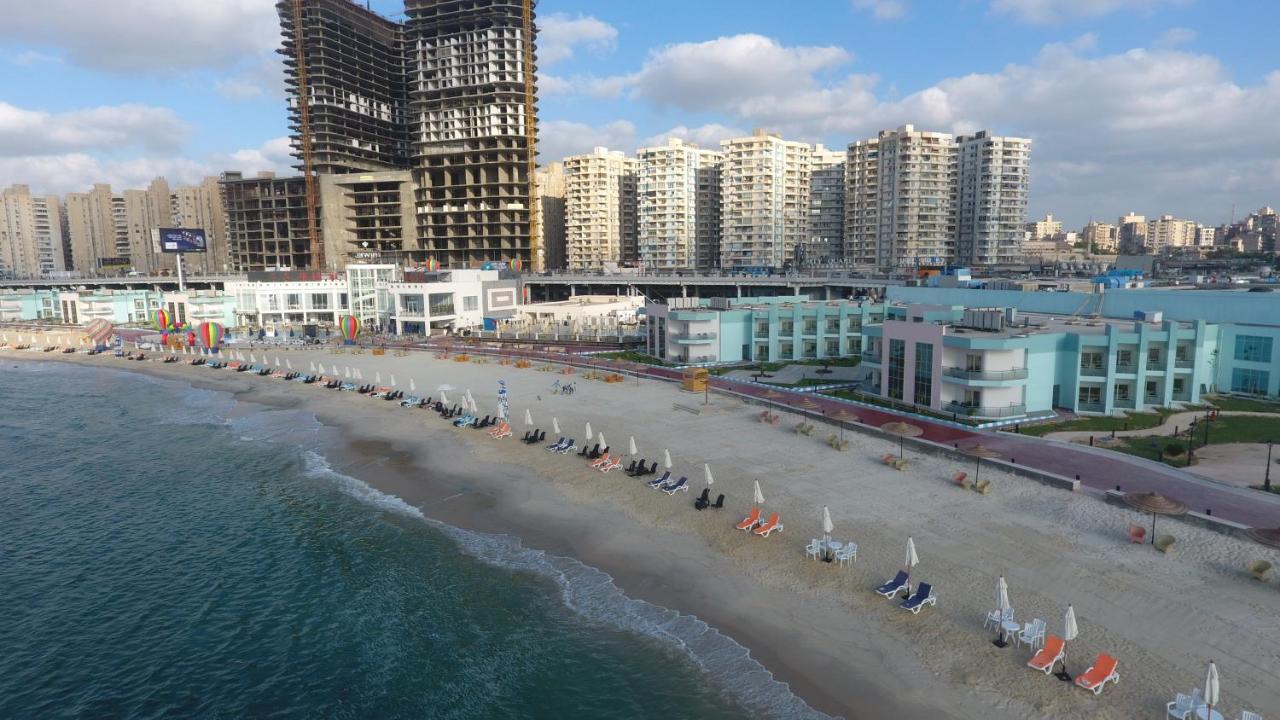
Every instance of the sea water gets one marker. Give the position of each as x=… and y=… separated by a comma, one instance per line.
x=165, y=554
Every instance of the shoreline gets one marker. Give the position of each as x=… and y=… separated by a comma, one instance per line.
x=811, y=626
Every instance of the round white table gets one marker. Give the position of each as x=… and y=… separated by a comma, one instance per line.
x=1202, y=712
x=1011, y=627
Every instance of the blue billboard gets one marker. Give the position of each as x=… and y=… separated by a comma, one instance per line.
x=182, y=240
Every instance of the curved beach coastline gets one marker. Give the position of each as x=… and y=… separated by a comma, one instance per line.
x=815, y=627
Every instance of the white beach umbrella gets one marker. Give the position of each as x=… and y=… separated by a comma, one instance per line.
x=468, y=396
x=589, y=432
x=346, y=372
x=393, y=381
x=603, y=444
x=528, y=417
x=706, y=475
x=666, y=459
x=912, y=558
x=474, y=410
x=1069, y=632
x=277, y=361
x=443, y=398
x=312, y=366
x=1211, y=688
x=759, y=496
x=288, y=364
x=377, y=378
x=555, y=426
x=335, y=369
x=413, y=387
x=632, y=446
x=1002, y=604
x=827, y=525
x=359, y=375
x=252, y=358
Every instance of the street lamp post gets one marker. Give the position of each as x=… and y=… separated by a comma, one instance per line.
x=1266, y=480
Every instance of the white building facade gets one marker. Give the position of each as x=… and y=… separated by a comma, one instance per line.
x=678, y=206
x=764, y=210
x=600, y=209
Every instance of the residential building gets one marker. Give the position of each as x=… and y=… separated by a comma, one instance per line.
x=550, y=190
x=993, y=176
x=91, y=230
x=1168, y=233
x=1206, y=236
x=278, y=300
x=23, y=304
x=199, y=306
x=1100, y=237
x=600, y=209
x=267, y=224
x=678, y=189
x=31, y=239
x=116, y=306
x=472, y=117
x=825, y=243
x=761, y=329
x=1131, y=234
x=450, y=302
x=200, y=206
x=764, y=189
x=1044, y=228
x=367, y=286
x=146, y=211
x=368, y=217
x=356, y=86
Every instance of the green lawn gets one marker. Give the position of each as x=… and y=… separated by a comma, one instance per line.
x=900, y=407
x=1243, y=404
x=833, y=362
x=633, y=356
x=1225, y=429
x=1101, y=423
x=804, y=382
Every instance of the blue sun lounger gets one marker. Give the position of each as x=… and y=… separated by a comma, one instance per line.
x=662, y=480
x=894, y=586
x=677, y=486
x=923, y=596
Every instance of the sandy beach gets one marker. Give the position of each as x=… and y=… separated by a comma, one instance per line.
x=818, y=627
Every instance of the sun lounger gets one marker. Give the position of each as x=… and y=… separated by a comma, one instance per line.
x=774, y=523
x=601, y=461
x=1137, y=533
x=894, y=586
x=681, y=485
x=1101, y=672
x=750, y=521
x=586, y=450
x=614, y=465
x=923, y=596
x=568, y=447
x=1047, y=656
x=660, y=480
x=703, y=500
x=556, y=445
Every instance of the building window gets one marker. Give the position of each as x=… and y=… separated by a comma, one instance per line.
x=1153, y=390
x=1122, y=392
x=833, y=348
x=471, y=303
x=855, y=345
x=897, y=359
x=1251, y=382
x=924, y=374
x=411, y=304
x=319, y=301
x=833, y=326
x=1253, y=348
x=440, y=303
x=786, y=351
x=973, y=362
x=1090, y=395
x=1091, y=361
x=1124, y=358
x=342, y=301
x=1179, y=384
x=293, y=301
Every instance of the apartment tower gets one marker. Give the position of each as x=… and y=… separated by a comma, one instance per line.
x=600, y=209
x=678, y=206
x=764, y=189
x=549, y=187
x=992, y=181
x=31, y=240
x=826, y=207
x=92, y=228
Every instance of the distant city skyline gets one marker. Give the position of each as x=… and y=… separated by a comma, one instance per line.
x=1152, y=106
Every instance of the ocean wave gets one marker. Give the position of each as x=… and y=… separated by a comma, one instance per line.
x=593, y=595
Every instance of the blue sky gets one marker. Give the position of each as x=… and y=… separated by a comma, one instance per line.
x=1155, y=106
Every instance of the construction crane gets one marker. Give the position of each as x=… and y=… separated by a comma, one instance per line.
x=304, y=132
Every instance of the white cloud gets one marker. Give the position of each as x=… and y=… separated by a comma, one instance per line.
x=882, y=9
x=31, y=57
x=110, y=127
x=143, y=35
x=1173, y=37
x=707, y=136
x=1047, y=12
x=558, y=139
x=265, y=78
x=559, y=34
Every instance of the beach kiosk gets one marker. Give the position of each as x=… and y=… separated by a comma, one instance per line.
x=695, y=380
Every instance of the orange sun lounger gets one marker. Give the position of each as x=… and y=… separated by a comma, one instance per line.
x=1099, y=674
x=1048, y=656
x=751, y=520
x=601, y=461
x=774, y=523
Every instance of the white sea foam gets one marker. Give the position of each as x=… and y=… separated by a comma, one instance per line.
x=592, y=594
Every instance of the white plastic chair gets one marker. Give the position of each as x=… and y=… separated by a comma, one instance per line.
x=1249, y=715
x=1181, y=707
x=814, y=549
x=848, y=553
x=1033, y=633
x=994, y=618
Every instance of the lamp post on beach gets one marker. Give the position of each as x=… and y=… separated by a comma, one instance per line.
x=1266, y=479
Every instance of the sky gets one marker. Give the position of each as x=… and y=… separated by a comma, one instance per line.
x=1151, y=106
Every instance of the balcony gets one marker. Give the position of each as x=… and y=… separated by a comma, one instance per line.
x=1157, y=366
x=694, y=315
x=1091, y=407
x=871, y=357
x=1183, y=364
x=1093, y=371
x=1001, y=411
x=694, y=339
x=962, y=374
x=1127, y=368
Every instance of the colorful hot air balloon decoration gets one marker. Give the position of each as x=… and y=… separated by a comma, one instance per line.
x=349, y=327
x=99, y=331
x=517, y=264
x=160, y=318
x=432, y=264
x=210, y=335
x=191, y=339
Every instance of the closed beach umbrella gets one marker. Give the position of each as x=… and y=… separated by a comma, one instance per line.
x=759, y=496
x=603, y=444
x=528, y=417
x=252, y=358
x=555, y=426
x=827, y=525
x=589, y=433
x=444, y=400
x=1069, y=632
x=706, y=474
x=666, y=459
x=1211, y=688
x=277, y=361
x=912, y=558
x=312, y=366
x=346, y=372
x=335, y=369
x=632, y=446
x=288, y=364
x=377, y=378
x=474, y=409
x=393, y=381
x=1002, y=604
x=413, y=387
x=359, y=375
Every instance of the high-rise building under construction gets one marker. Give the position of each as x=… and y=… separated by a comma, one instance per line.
x=449, y=94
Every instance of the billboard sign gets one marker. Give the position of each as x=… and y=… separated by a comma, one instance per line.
x=182, y=240
x=107, y=263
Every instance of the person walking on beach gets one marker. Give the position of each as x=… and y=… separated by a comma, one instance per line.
x=555, y=388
